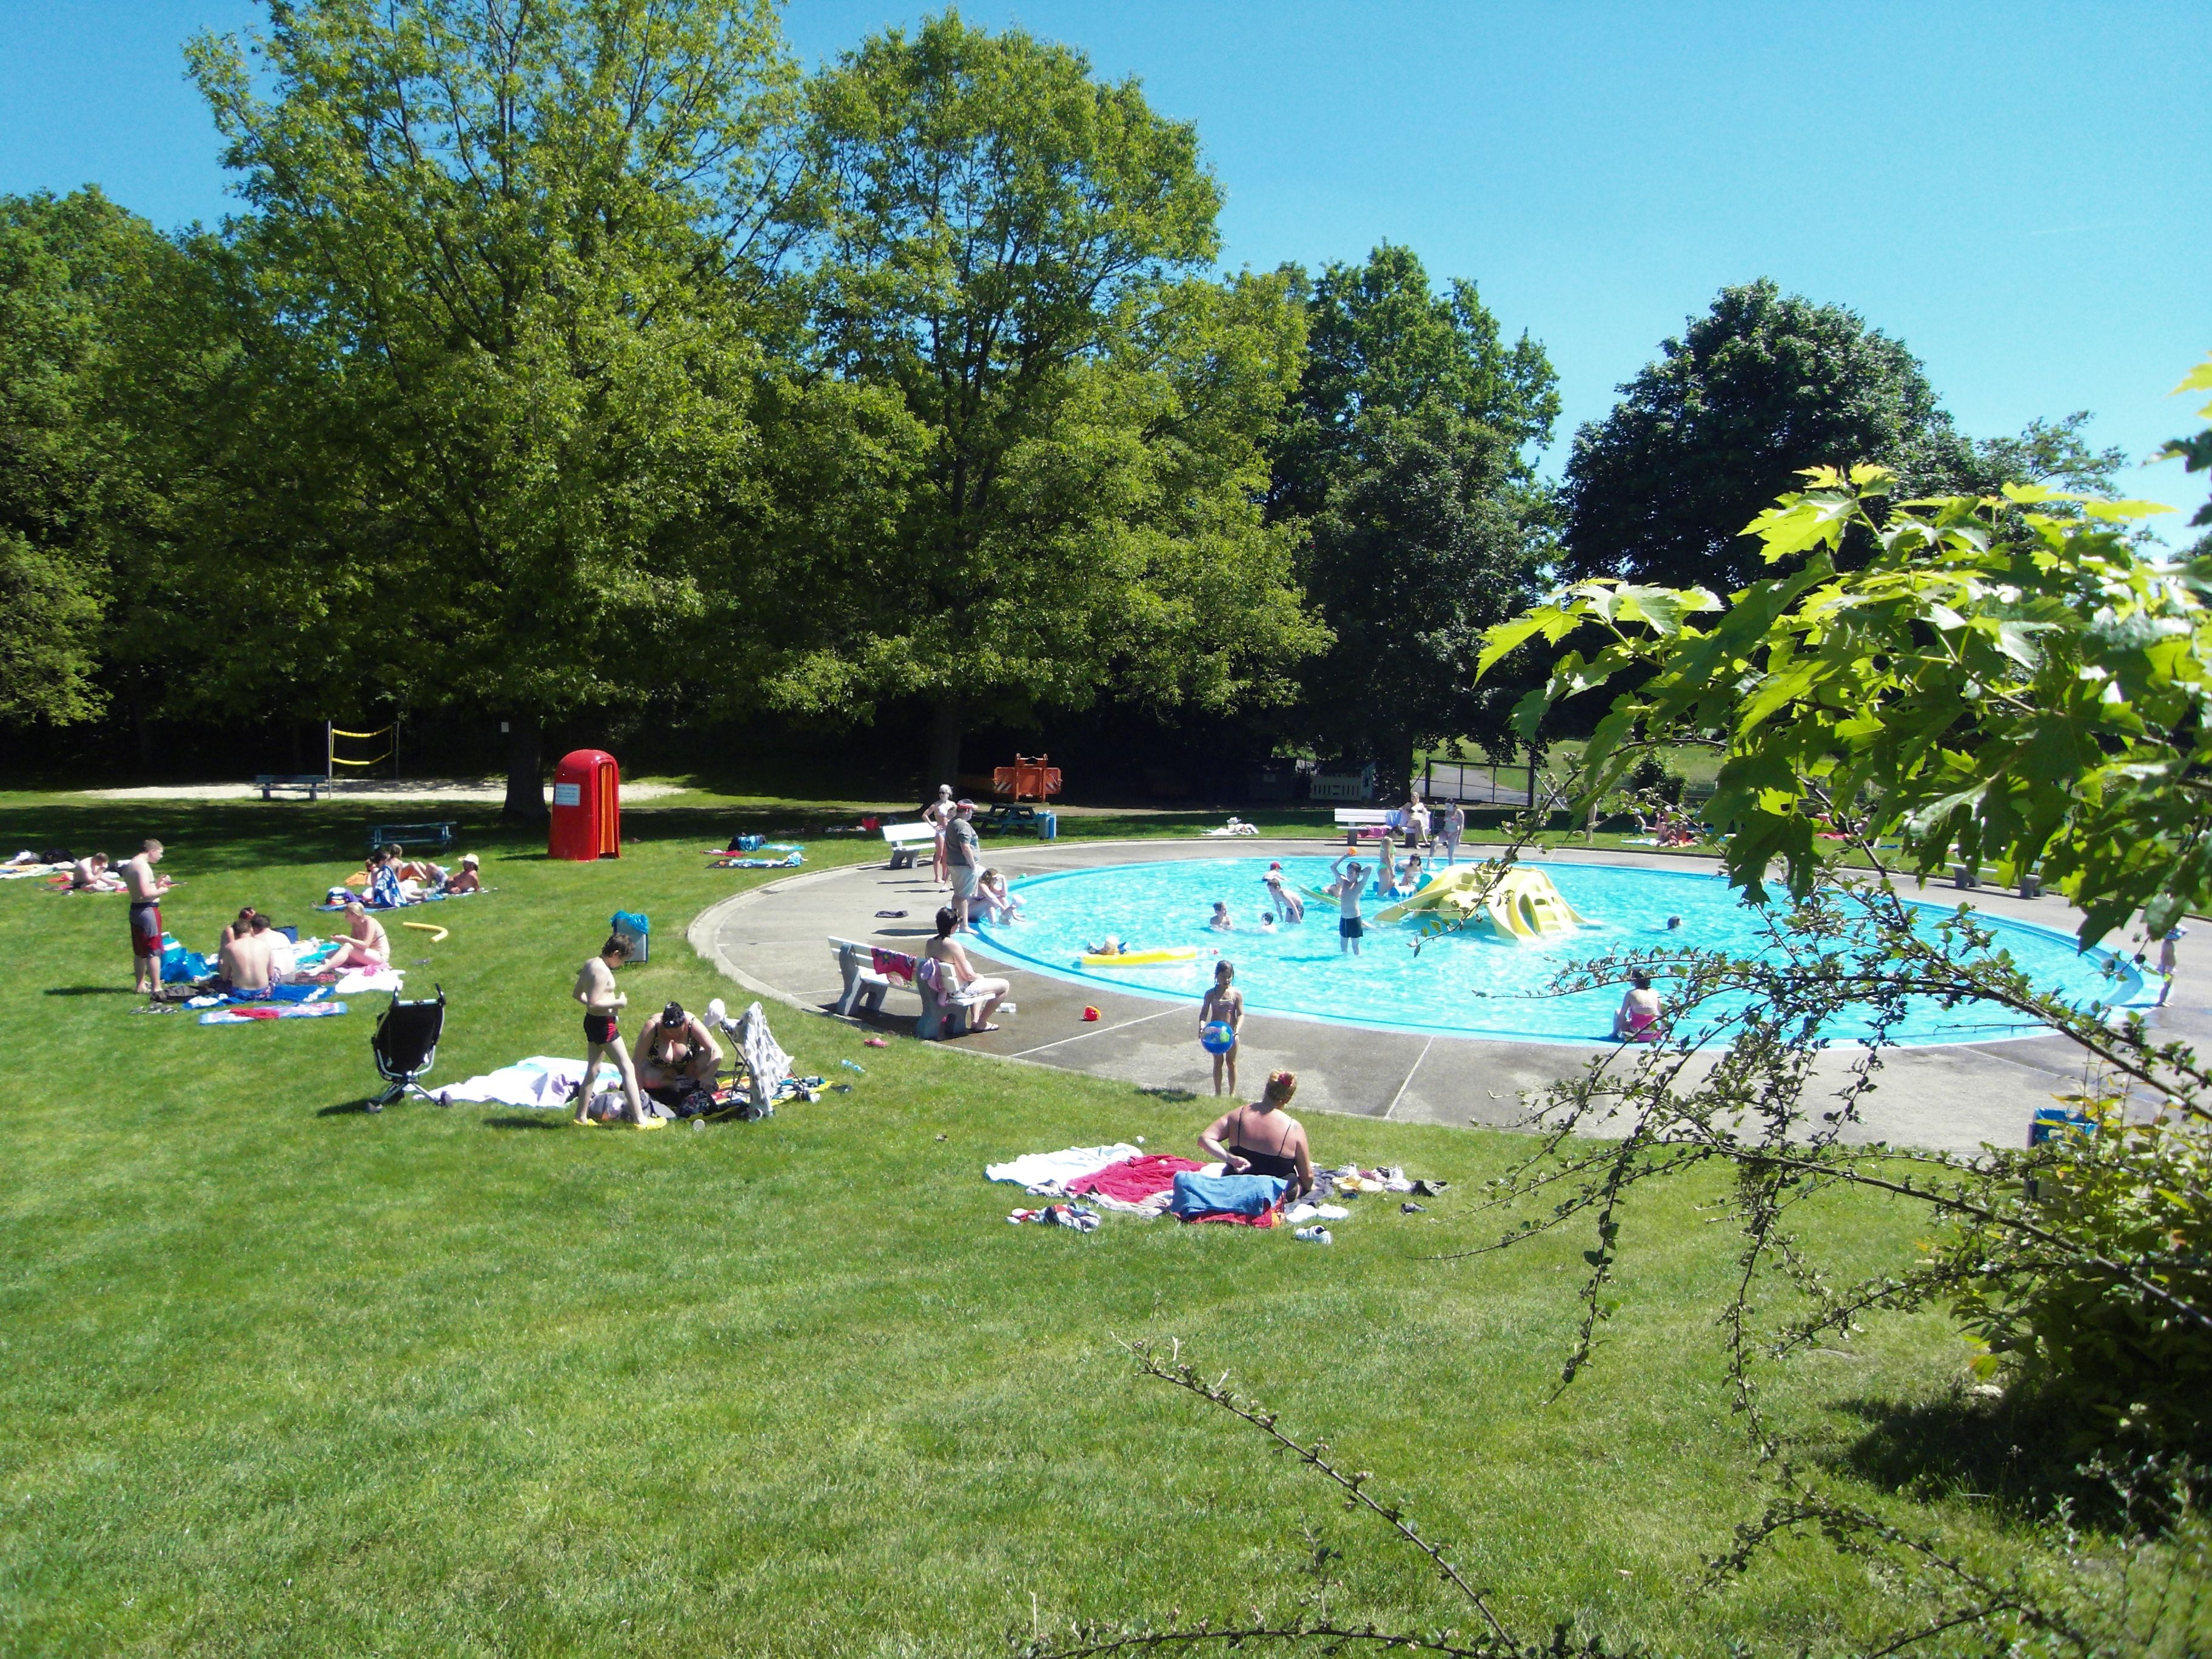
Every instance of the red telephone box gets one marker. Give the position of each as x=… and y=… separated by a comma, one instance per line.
x=587, y=807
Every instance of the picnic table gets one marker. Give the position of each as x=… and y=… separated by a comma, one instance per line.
x=441, y=831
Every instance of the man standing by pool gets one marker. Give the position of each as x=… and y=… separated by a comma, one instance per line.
x=146, y=889
x=964, y=859
x=1454, y=826
x=1351, y=877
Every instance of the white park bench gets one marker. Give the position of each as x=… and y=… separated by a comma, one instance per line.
x=865, y=988
x=904, y=838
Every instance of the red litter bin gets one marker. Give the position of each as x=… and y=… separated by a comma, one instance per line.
x=587, y=807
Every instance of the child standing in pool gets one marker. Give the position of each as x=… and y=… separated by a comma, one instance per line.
x=1291, y=906
x=1345, y=889
x=1224, y=1006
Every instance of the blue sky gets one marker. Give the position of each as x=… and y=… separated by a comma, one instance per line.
x=2022, y=192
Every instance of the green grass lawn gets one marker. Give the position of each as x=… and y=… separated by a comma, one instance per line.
x=280, y=1377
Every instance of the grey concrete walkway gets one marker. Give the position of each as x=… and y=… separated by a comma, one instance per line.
x=772, y=941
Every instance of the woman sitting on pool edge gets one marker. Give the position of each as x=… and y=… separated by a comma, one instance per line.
x=1637, y=1019
x=1263, y=1138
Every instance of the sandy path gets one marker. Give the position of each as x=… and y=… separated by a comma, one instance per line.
x=382, y=789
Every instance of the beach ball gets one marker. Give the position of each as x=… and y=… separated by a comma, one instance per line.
x=1216, y=1037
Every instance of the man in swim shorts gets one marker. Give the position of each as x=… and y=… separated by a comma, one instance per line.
x=246, y=961
x=1345, y=890
x=964, y=859
x=145, y=889
x=595, y=989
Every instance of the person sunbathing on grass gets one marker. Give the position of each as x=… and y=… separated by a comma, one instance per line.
x=1263, y=1138
x=243, y=966
x=675, y=1048
x=89, y=875
x=469, y=878
x=364, y=944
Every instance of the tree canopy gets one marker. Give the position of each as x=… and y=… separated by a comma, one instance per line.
x=512, y=247
x=1408, y=454
x=1763, y=384
x=1014, y=252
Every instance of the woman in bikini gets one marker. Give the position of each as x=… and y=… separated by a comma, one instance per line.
x=364, y=944
x=1262, y=1138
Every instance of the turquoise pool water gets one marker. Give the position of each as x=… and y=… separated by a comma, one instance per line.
x=1466, y=984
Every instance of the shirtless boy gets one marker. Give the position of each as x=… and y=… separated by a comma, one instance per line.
x=1292, y=906
x=595, y=989
x=244, y=962
x=145, y=888
x=1224, y=1005
x=1345, y=890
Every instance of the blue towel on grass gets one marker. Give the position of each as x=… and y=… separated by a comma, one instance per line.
x=1237, y=1195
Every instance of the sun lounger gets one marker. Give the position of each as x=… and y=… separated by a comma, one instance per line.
x=904, y=839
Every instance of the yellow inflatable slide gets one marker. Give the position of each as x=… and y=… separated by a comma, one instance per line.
x=1521, y=904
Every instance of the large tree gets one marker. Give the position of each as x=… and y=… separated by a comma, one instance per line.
x=1763, y=384
x=518, y=251
x=1408, y=455
x=66, y=479
x=1066, y=455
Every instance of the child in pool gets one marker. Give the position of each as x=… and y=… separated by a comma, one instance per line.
x=1351, y=881
x=1219, y=920
x=1291, y=908
x=1108, y=947
x=1267, y=921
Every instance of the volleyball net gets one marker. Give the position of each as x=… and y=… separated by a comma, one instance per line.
x=365, y=739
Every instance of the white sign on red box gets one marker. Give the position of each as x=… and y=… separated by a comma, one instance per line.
x=567, y=794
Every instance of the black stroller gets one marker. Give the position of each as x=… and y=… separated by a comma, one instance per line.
x=405, y=1045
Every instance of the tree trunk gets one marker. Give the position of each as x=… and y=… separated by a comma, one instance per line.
x=944, y=747
x=525, y=787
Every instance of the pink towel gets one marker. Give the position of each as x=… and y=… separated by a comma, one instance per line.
x=891, y=964
x=1134, y=1179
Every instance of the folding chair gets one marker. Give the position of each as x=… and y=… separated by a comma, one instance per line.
x=405, y=1045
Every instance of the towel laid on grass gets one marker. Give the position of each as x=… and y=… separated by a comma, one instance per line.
x=1050, y=1172
x=253, y=1013
x=1249, y=1198
x=1140, y=1185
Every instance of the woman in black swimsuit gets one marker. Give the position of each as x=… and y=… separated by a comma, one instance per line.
x=1262, y=1138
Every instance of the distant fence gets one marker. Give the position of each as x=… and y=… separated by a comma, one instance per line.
x=1478, y=786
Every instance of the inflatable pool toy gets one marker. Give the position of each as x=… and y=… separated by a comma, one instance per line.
x=1216, y=1037
x=1164, y=959
x=1521, y=904
x=437, y=933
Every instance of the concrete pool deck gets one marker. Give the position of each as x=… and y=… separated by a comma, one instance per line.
x=772, y=941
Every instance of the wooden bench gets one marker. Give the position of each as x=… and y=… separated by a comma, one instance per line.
x=865, y=988
x=314, y=782
x=904, y=838
x=441, y=832
x=1354, y=819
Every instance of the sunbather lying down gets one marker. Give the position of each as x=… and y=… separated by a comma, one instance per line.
x=364, y=944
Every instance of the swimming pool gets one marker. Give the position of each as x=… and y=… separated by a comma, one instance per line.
x=1465, y=984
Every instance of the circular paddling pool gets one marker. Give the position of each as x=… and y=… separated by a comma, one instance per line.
x=1471, y=983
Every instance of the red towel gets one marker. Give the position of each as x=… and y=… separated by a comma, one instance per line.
x=892, y=964
x=1134, y=1179
x=1265, y=1218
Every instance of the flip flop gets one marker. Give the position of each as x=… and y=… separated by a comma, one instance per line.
x=651, y=1123
x=585, y=1122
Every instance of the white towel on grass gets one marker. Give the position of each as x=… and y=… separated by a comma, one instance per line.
x=1055, y=1170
